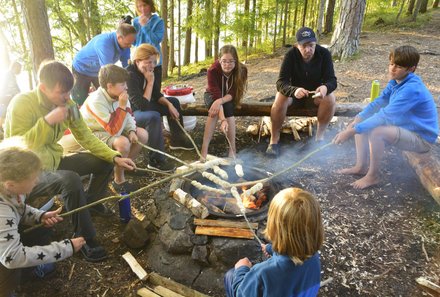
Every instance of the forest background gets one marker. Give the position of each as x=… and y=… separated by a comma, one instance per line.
x=34, y=30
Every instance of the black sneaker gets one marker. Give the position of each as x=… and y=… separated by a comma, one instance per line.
x=43, y=270
x=125, y=187
x=162, y=166
x=181, y=144
x=273, y=150
x=93, y=252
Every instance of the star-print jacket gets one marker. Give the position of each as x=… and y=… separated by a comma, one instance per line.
x=13, y=254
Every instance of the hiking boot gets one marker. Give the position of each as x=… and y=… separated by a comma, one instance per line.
x=125, y=187
x=43, y=270
x=93, y=252
x=161, y=166
x=273, y=150
x=181, y=143
x=101, y=210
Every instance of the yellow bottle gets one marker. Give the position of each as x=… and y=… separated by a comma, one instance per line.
x=375, y=90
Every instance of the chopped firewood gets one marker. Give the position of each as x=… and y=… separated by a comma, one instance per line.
x=252, y=129
x=224, y=232
x=198, y=209
x=296, y=136
x=135, y=266
x=158, y=280
x=428, y=286
x=268, y=123
x=176, y=183
x=227, y=205
x=162, y=291
x=224, y=223
x=144, y=292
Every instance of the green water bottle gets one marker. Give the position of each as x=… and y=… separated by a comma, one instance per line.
x=375, y=89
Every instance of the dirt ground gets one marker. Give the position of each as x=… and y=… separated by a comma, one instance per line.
x=378, y=240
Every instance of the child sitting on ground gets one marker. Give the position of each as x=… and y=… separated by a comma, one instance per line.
x=294, y=226
x=107, y=113
x=404, y=115
x=19, y=170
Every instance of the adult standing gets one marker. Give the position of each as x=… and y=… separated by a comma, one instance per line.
x=9, y=88
x=103, y=49
x=150, y=29
x=41, y=116
x=307, y=69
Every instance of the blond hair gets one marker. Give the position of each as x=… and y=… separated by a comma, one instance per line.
x=294, y=224
x=144, y=52
x=17, y=162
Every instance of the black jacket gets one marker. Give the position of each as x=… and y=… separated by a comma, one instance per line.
x=295, y=73
x=136, y=86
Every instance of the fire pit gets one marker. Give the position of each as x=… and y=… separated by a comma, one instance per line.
x=225, y=206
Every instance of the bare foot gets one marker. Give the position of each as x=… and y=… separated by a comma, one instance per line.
x=355, y=170
x=365, y=182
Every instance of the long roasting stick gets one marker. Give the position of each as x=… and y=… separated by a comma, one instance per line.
x=189, y=137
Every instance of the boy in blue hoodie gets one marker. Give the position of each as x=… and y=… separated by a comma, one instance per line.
x=404, y=115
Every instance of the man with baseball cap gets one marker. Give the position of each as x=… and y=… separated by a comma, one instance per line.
x=306, y=72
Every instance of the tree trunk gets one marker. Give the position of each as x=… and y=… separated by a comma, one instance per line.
x=196, y=50
x=345, y=39
x=400, y=11
x=435, y=4
x=179, y=40
x=320, y=17
x=416, y=10
x=304, y=14
x=295, y=17
x=172, y=61
x=329, y=16
x=188, y=33
x=393, y=3
x=218, y=11
x=210, y=21
x=165, y=49
x=95, y=18
x=275, y=30
x=253, y=23
x=286, y=10
x=424, y=6
x=245, y=36
x=38, y=31
x=410, y=7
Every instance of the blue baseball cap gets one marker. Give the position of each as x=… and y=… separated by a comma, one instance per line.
x=304, y=35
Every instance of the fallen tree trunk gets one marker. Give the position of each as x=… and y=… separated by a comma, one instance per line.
x=427, y=168
x=263, y=109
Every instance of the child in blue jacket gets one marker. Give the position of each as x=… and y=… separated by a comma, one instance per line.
x=404, y=115
x=294, y=226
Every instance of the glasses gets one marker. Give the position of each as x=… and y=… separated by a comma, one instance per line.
x=227, y=61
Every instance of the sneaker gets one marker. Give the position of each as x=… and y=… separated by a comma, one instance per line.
x=273, y=150
x=101, y=210
x=125, y=187
x=181, y=143
x=162, y=166
x=93, y=252
x=43, y=270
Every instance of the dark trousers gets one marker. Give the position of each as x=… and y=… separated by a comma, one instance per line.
x=151, y=121
x=163, y=110
x=228, y=280
x=81, y=87
x=9, y=280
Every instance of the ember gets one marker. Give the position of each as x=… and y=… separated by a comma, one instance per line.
x=253, y=201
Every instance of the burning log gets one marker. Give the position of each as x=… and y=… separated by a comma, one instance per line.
x=192, y=204
x=226, y=205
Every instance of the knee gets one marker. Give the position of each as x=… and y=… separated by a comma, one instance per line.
x=329, y=100
x=70, y=180
x=142, y=135
x=377, y=133
x=281, y=102
x=122, y=144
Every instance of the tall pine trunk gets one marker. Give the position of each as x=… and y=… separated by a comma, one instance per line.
x=188, y=33
x=329, y=16
x=164, y=45
x=172, y=61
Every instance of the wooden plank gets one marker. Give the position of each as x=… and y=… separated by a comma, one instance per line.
x=224, y=223
x=165, y=292
x=263, y=109
x=427, y=168
x=135, y=266
x=158, y=280
x=224, y=232
x=144, y=292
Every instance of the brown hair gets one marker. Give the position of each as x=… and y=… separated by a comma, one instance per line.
x=145, y=51
x=294, y=224
x=239, y=73
x=52, y=73
x=405, y=56
x=17, y=162
x=112, y=74
x=125, y=29
x=146, y=2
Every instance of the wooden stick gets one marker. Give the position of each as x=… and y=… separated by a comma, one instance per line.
x=163, y=153
x=429, y=286
x=223, y=223
x=144, y=292
x=135, y=266
x=158, y=280
x=162, y=291
x=224, y=232
x=189, y=137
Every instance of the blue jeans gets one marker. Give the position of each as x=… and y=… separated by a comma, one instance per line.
x=228, y=280
x=152, y=122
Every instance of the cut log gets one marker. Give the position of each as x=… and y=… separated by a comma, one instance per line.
x=428, y=286
x=227, y=205
x=176, y=183
x=427, y=168
x=135, y=266
x=165, y=292
x=144, y=292
x=224, y=232
x=263, y=109
x=158, y=280
x=224, y=223
x=198, y=209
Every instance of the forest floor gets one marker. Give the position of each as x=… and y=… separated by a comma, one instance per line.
x=378, y=240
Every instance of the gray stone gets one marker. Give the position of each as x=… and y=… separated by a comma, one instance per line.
x=199, y=239
x=176, y=241
x=200, y=254
x=179, y=220
x=134, y=234
x=210, y=281
x=181, y=268
x=229, y=251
